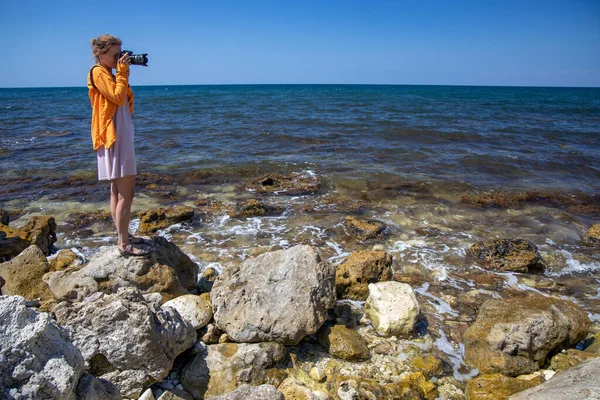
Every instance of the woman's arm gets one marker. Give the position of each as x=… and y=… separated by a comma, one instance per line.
x=115, y=92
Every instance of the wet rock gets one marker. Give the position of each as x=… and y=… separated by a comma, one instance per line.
x=281, y=296
x=507, y=255
x=40, y=231
x=125, y=340
x=578, y=383
x=11, y=246
x=392, y=308
x=92, y=388
x=248, y=392
x=353, y=276
x=364, y=228
x=515, y=336
x=292, y=184
x=297, y=390
x=570, y=358
x=4, y=217
x=224, y=367
x=495, y=387
x=65, y=259
x=429, y=365
x=194, y=309
x=343, y=343
x=355, y=387
x=592, y=236
x=153, y=220
x=254, y=208
x=37, y=359
x=167, y=270
x=24, y=273
x=86, y=219
x=594, y=347
x=207, y=280
x=175, y=394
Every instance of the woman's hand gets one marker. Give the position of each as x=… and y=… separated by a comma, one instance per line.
x=125, y=59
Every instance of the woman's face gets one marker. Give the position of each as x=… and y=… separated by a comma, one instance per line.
x=110, y=58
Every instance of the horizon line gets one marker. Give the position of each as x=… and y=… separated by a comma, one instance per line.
x=316, y=84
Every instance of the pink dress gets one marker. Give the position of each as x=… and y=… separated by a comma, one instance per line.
x=119, y=160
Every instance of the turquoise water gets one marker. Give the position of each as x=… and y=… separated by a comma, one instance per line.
x=524, y=138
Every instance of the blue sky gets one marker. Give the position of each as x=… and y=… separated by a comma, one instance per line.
x=452, y=42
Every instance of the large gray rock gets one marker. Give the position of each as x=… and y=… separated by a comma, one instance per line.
x=515, y=336
x=247, y=392
x=167, y=271
x=223, y=367
x=578, y=383
x=92, y=388
x=280, y=296
x=37, y=360
x=125, y=340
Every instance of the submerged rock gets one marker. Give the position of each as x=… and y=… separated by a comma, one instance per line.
x=365, y=229
x=508, y=255
x=353, y=276
x=223, y=367
x=125, y=340
x=153, y=220
x=37, y=359
x=292, y=185
x=592, y=236
x=578, y=383
x=515, y=336
x=281, y=296
x=392, y=308
x=167, y=270
x=254, y=208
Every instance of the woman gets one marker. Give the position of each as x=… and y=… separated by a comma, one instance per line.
x=112, y=136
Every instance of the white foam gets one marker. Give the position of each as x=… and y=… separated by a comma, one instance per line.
x=441, y=307
x=574, y=266
x=455, y=355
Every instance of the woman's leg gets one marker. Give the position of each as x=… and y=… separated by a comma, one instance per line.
x=124, y=190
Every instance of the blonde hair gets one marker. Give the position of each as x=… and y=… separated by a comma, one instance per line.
x=102, y=44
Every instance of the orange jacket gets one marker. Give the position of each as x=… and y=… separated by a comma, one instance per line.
x=106, y=95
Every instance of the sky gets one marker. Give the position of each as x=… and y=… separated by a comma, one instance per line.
x=426, y=42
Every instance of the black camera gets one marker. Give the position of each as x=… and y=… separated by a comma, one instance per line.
x=136, y=59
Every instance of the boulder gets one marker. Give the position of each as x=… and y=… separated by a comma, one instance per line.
x=39, y=231
x=392, y=308
x=365, y=229
x=153, y=220
x=495, y=387
x=64, y=259
x=37, y=360
x=592, y=236
x=515, y=336
x=247, y=392
x=125, y=340
x=166, y=270
x=292, y=184
x=353, y=276
x=194, y=309
x=578, y=383
x=254, y=208
x=297, y=390
x=343, y=343
x=11, y=246
x=221, y=368
x=281, y=296
x=507, y=255
x=24, y=273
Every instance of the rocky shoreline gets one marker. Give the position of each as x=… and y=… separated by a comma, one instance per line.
x=298, y=320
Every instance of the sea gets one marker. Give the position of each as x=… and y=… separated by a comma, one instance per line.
x=441, y=166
